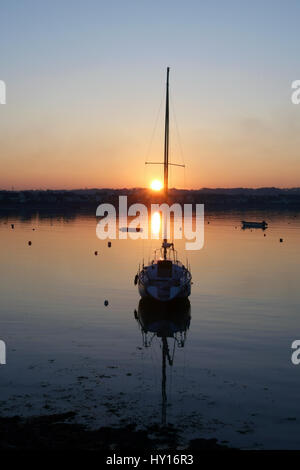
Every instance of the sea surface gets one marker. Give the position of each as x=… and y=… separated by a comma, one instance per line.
x=228, y=372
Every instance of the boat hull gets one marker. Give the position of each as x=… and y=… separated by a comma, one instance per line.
x=263, y=225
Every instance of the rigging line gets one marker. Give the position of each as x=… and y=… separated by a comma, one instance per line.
x=178, y=137
x=155, y=371
x=157, y=360
x=151, y=397
x=153, y=362
x=154, y=129
x=144, y=184
x=171, y=372
x=143, y=370
x=177, y=129
x=181, y=382
x=146, y=158
x=184, y=369
x=150, y=244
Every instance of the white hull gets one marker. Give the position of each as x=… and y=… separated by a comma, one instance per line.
x=164, y=282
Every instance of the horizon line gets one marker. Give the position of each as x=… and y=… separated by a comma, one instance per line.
x=149, y=189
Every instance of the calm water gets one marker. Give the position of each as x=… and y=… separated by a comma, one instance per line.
x=232, y=380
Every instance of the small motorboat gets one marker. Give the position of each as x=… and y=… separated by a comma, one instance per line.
x=263, y=225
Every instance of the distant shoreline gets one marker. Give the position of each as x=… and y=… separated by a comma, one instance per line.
x=87, y=200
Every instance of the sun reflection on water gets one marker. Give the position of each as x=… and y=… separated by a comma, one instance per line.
x=155, y=223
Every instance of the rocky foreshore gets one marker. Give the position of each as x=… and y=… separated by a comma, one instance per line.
x=61, y=432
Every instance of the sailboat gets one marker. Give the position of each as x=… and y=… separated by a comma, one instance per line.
x=167, y=322
x=165, y=278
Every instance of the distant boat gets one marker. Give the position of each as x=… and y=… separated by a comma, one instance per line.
x=263, y=225
x=130, y=229
x=165, y=278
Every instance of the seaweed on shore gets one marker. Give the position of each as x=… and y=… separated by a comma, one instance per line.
x=60, y=432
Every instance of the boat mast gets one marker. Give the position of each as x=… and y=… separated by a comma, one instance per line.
x=165, y=356
x=166, y=159
x=164, y=381
x=166, y=150
x=165, y=244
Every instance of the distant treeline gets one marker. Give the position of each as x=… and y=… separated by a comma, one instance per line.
x=214, y=199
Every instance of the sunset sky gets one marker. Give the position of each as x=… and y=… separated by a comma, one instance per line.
x=85, y=82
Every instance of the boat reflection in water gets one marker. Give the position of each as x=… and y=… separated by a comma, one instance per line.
x=169, y=322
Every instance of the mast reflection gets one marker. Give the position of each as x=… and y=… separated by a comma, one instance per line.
x=166, y=321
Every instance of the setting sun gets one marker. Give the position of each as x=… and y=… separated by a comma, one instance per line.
x=156, y=185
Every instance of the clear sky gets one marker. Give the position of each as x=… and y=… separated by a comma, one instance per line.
x=85, y=80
